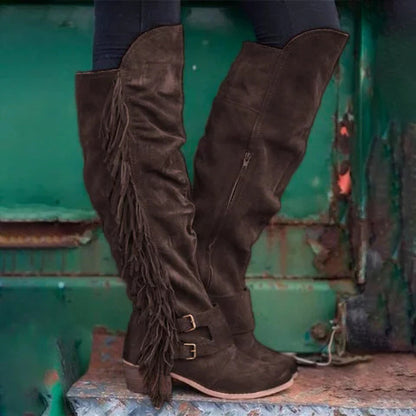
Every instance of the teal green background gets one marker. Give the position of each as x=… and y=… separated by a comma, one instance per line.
x=51, y=298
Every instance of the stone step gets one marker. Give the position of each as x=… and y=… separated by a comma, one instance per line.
x=382, y=387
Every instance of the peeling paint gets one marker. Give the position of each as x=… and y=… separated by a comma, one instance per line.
x=344, y=182
x=408, y=216
x=329, y=248
x=379, y=319
x=51, y=377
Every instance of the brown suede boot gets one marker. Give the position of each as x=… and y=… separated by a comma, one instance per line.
x=130, y=124
x=254, y=140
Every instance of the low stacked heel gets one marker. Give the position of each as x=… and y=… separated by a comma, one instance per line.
x=135, y=379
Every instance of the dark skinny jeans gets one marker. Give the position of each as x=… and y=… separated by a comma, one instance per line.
x=119, y=22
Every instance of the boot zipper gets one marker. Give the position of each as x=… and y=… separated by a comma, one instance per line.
x=244, y=166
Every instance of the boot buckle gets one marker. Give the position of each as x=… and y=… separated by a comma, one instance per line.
x=193, y=323
x=192, y=350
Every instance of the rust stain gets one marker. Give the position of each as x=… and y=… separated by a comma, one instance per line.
x=283, y=252
x=344, y=182
x=187, y=409
x=320, y=332
x=328, y=242
x=338, y=412
x=387, y=381
x=341, y=173
x=408, y=215
x=280, y=284
x=45, y=234
x=271, y=235
x=327, y=245
x=381, y=311
x=344, y=133
x=107, y=350
x=51, y=377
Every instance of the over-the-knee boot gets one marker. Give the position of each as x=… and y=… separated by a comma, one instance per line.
x=130, y=124
x=254, y=140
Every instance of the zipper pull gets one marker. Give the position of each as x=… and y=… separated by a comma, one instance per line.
x=247, y=158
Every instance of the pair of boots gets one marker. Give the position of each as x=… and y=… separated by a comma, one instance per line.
x=192, y=319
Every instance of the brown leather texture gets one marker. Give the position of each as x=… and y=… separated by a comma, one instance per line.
x=151, y=78
x=254, y=140
x=210, y=334
x=217, y=364
x=232, y=371
x=91, y=93
x=131, y=131
x=238, y=312
x=237, y=309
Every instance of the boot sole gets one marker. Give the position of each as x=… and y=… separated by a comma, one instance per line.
x=135, y=383
x=232, y=396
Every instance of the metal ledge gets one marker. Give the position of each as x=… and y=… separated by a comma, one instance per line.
x=384, y=386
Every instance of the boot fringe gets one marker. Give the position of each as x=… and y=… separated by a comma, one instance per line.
x=147, y=281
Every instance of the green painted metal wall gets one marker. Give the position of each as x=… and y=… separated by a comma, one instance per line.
x=36, y=81
x=42, y=181
x=383, y=315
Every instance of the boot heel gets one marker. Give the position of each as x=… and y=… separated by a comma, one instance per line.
x=135, y=380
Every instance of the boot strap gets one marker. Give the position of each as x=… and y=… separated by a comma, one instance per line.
x=190, y=322
x=191, y=347
x=238, y=311
x=192, y=350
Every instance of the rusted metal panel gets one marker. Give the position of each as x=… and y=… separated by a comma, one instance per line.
x=284, y=327
x=384, y=386
x=88, y=253
x=299, y=249
x=48, y=186
x=20, y=235
x=379, y=318
x=408, y=211
x=382, y=317
x=41, y=248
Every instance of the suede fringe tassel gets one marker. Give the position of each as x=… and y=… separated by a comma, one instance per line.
x=147, y=280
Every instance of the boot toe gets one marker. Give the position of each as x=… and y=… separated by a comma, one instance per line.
x=232, y=374
x=249, y=345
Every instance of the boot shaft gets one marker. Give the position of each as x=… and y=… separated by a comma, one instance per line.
x=255, y=138
x=131, y=130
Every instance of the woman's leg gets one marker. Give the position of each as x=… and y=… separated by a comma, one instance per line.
x=277, y=21
x=401, y=15
x=119, y=22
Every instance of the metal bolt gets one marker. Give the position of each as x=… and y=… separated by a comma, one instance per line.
x=319, y=331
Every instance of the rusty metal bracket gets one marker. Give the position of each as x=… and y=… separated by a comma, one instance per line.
x=19, y=235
